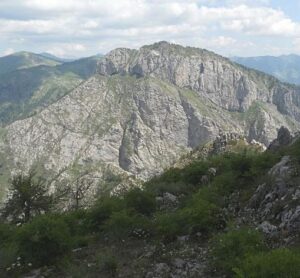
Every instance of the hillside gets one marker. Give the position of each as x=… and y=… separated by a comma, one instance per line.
x=25, y=91
x=21, y=60
x=286, y=67
x=142, y=110
x=234, y=214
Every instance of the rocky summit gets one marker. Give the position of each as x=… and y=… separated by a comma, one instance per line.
x=141, y=111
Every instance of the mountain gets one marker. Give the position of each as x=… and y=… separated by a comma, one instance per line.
x=55, y=58
x=24, y=91
x=142, y=110
x=21, y=60
x=285, y=67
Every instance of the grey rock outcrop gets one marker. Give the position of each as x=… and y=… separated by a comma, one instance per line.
x=225, y=83
x=276, y=203
x=284, y=138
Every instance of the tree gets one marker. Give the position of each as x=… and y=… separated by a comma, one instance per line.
x=72, y=195
x=27, y=197
x=79, y=190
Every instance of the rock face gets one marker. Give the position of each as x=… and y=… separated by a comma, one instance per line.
x=144, y=109
x=276, y=203
x=228, y=85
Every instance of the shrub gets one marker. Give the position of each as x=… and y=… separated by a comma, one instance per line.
x=293, y=150
x=279, y=263
x=78, y=226
x=102, y=211
x=176, y=188
x=231, y=248
x=211, y=194
x=169, y=225
x=8, y=256
x=225, y=183
x=192, y=173
x=200, y=215
x=170, y=175
x=7, y=233
x=76, y=221
x=107, y=263
x=179, y=181
x=263, y=162
x=140, y=201
x=44, y=239
x=197, y=215
x=122, y=224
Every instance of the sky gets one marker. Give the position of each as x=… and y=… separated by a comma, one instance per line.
x=79, y=28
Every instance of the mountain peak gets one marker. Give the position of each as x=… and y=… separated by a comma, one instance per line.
x=148, y=107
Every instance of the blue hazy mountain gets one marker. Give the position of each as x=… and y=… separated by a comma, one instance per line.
x=284, y=67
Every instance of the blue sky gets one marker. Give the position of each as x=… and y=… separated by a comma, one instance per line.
x=76, y=28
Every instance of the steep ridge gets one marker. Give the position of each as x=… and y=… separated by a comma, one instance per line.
x=145, y=108
x=228, y=85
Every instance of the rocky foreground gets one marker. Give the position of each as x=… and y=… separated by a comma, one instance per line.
x=233, y=213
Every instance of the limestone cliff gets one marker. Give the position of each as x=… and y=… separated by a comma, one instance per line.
x=144, y=109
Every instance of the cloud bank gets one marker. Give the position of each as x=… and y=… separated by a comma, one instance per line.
x=81, y=28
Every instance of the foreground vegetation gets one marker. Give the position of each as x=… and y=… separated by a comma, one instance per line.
x=199, y=209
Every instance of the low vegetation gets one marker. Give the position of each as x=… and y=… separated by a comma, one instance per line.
x=197, y=209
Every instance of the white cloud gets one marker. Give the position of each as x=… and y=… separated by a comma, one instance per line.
x=53, y=23
x=67, y=49
x=256, y=21
x=8, y=51
x=248, y=2
x=224, y=41
x=296, y=45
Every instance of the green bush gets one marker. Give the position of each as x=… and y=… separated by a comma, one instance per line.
x=169, y=176
x=169, y=225
x=176, y=188
x=140, y=201
x=193, y=172
x=8, y=256
x=102, y=211
x=107, y=263
x=279, y=263
x=122, y=224
x=78, y=227
x=293, y=150
x=211, y=194
x=225, y=184
x=263, y=162
x=230, y=249
x=7, y=233
x=179, y=181
x=200, y=215
x=44, y=239
x=76, y=221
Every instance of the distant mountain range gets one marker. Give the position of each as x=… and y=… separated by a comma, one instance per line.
x=21, y=60
x=55, y=58
x=285, y=67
